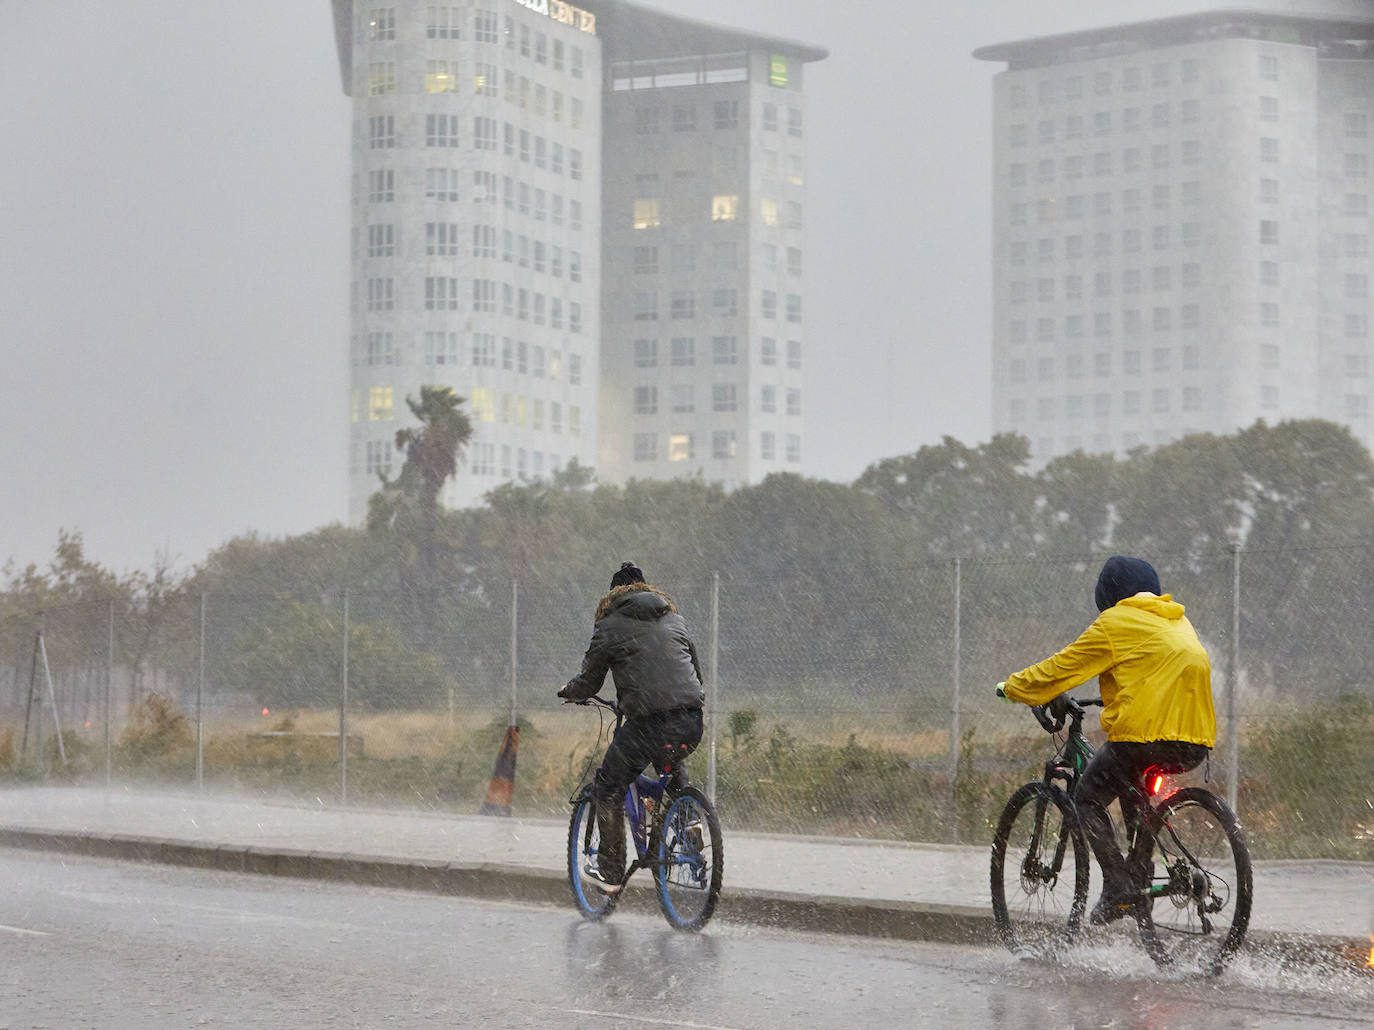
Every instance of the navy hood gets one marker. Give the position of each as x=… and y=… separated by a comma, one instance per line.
x=1123, y=577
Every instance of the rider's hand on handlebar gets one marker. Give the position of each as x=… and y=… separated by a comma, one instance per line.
x=1001, y=695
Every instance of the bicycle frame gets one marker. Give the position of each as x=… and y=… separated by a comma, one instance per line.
x=643, y=789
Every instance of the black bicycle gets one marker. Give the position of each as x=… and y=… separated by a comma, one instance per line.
x=675, y=832
x=1195, y=878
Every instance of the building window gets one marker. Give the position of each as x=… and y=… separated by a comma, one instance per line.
x=768, y=351
x=726, y=114
x=684, y=118
x=441, y=76
x=483, y=133
x=1268, y=66
x=794, y=354
x=379, y=457
x=645, y=446
x=794, y=307
x=483, y=239
x=681, y=447
x=379, y=349
x=646, y=214
x=684, y=351
x=484, y=28
x=1268, y=231
x=794, y=454
x=441, y=130
x=646, y=400
x=724, y=350
x=768, y=446
x=684, y=304
x=381, y=132
x=381, y=240
x=645, y=260
x=381, y=186
x=793, y=401
x=380, y=295
x=379, y=404
x=381, y=78
x=725, y=207
x=725, y=302
x=684, y=399
x=1268, y=149
x=723, y=443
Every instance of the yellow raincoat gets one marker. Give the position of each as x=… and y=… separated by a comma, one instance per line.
x=1154, y=673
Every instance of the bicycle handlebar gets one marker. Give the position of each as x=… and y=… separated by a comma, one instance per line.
x=1052, y=716
x=595, y=699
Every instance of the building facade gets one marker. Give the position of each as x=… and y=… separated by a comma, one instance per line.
x=483, y=260
x=1181, y=229
x=703, y=330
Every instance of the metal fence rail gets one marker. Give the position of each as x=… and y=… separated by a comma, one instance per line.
x=860, y=707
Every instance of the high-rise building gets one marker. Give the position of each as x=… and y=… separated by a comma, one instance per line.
x=663, y=338
x=704, y=171
x=1182, y=228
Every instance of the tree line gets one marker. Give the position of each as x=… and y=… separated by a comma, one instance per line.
x=826, y=589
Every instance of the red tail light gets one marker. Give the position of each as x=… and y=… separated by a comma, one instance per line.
x=1156, y=783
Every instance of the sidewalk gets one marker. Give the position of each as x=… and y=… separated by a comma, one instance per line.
x=882, y=888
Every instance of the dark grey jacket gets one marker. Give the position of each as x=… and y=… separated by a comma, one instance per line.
x=642, y=641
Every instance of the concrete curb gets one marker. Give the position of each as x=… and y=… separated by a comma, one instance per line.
x=893, y=920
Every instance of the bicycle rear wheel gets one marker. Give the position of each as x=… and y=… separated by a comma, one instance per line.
x=1040, y=867
x=1202, y=883
x=690, y=861
x=584, y=842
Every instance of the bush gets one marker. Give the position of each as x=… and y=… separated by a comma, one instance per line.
x=158, y=735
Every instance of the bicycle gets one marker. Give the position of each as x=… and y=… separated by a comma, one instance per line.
x=676, y=833
x=1194, y=874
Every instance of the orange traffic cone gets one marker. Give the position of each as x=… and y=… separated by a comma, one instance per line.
x=501, y=789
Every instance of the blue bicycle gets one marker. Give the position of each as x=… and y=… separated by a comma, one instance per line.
x=675, y=832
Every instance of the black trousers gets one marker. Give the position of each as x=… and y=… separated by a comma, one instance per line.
x=1114, y=771
x=660, y=739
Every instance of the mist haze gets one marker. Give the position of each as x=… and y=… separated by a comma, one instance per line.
x=173, y=289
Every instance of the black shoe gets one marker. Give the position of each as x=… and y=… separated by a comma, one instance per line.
x=1110, y=908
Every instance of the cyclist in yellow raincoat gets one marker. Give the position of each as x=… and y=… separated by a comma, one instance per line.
x=1156, y=684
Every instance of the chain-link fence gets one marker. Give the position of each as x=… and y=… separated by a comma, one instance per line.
x=860, y=708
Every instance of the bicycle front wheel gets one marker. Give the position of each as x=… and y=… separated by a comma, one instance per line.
x=1198, y=905
x=1040, y=867
x=690, y=861
x=584, y=842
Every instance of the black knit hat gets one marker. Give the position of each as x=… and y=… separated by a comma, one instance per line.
x=629, y=573
x=1123, y=577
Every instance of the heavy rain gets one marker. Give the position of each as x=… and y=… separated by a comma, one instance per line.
x=352, y=346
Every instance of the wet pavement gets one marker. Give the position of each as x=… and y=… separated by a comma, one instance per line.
x=1310, y=898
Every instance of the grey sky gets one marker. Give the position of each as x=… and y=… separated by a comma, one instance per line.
x=173, y=274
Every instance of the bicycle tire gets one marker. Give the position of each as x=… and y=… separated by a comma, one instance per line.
x=1038, y=918
x=1200, y=855
x=583, y=842
x=689, y=864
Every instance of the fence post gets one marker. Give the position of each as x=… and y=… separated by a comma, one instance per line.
x=1233, y=686
x=109, y=688
x=200, y=705
x=514, y=645
x=954, y=707
x=343, y=709
x=713, y=688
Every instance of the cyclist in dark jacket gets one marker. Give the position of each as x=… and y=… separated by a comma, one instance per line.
x=639, y=638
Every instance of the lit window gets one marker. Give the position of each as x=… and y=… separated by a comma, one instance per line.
x=379, y=407
x=646, y=213
x=724, y=207
x=680, y=447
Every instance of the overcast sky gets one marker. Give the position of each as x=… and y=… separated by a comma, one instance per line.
x=174, y=253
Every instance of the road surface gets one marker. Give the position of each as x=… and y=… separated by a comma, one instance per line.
x=94, y=943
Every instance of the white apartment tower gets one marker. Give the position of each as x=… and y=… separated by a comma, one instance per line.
x=647, y=321
x=476, y=231
x=1182, y=229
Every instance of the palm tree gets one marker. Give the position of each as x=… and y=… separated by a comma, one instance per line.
x=432, y=449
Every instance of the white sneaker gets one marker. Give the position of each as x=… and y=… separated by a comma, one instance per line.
x=590, y=871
